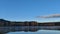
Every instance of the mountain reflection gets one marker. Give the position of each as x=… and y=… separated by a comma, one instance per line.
x=27, y=28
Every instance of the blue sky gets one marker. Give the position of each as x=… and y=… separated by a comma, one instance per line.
x=27, y=10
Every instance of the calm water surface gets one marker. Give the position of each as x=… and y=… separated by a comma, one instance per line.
x=38, y=32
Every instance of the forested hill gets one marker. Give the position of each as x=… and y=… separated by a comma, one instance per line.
x=27, y=23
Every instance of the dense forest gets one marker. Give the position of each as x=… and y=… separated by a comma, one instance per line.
x=27, y=23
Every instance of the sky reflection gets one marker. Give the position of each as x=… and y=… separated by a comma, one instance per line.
x=38, y=32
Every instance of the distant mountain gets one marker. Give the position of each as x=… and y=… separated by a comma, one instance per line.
x=2, y=20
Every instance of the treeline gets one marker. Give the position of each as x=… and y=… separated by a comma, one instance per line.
x=49, y=24
x=27, y=23
x=14, y=23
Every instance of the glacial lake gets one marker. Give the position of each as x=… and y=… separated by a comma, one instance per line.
x=39, y=29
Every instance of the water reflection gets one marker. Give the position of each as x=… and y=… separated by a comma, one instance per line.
x=38, y=32
x=28, y=28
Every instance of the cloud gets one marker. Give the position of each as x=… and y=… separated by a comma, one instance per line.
x=50, y=16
